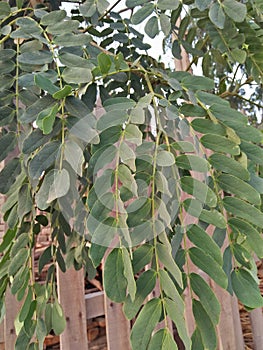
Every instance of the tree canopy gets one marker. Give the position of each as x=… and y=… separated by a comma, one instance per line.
x=119, y=153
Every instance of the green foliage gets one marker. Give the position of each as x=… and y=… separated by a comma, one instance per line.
x=119, y=151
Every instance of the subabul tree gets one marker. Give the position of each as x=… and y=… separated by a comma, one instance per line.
x=121, y=155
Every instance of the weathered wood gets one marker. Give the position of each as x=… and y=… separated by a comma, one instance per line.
x=2, y=337
x=256, y=319
x=229, y=328
x=94, y=305
x=12, y=309
x=71, y=297
x=117, y=327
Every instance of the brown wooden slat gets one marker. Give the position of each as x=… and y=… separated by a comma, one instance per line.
x=117, y=327
x=71, y=297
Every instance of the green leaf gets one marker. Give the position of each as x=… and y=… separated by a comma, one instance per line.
x=208, y=126
x=202, y=4
x=246, y=288
x=112, y=118
x=8, y=175
x=45, y=84
x=193, y=82
x=203, y=241
x=216, y=15
x=64, y=92
x=88, y=8
x=235, y=10
x=253, y=152
x=253, y=237
x=55, y=185
x=102, y=5
x=205, y=326
x=165, y=24
x=6, y=67
x=226, y=114
x=207, y=264
x=133, y=134
x=241, y=189
x=43, y=159
x=229, y=165
x=7, y=239
x=31, y=113
x=176, y=314
x=128, y=273
x=114, y=280
x=192, y=162
x=45, y=257
x=243, y=210
x=5, y=9
x=70, y=40
x=77, y=75
x=63, y=27
x=213, y=217
x=26, y=306
x=127, y=155
x=168, y=286
x=151, y=28
x=144, y=12
x=165, y=158
x=219, y=143
x=58, y=318
x=242, y=256
x=119, y=103
x=206, y=296
x=83, y=129
x=6, y=54
x=197, y=342
x=22, y=340
x=48, y=317
x=19, y=260
x=104, y=62
x=162, y=340
x=7, y=144
x=96, y=253
x=144, y=286
x=166, y=258
x=70, y=60
x=199, y=190
x=53, y=17
x=21, y=242
x=74, y=156
x=60, y=184
x=46, y=118
x=25, y=202
x=145, y=323
x=35, y=57
x=239, y=55
x=41, y=331
x=6, y=115
x=168, y=4
x=141, y=257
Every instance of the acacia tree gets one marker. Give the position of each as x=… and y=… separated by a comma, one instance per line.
x=124, y=155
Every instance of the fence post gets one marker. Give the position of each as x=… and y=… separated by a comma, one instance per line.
x=71, y=296
x=117, y=326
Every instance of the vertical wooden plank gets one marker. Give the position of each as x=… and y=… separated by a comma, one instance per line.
x=229, y=328
x=117, y=326
x=71, y=296
x=256, y=319
x=12, y=309
x=2, y=337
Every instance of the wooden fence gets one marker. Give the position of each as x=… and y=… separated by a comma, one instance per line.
x=79, y=308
